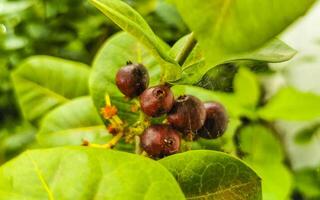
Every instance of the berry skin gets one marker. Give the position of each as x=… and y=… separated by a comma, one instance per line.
x=156, y=101
x=132, y=80
x=160, y=140
x=188, y=114
x=216, y=122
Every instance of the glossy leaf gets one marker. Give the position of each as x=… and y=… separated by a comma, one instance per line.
x=71, y=123
x=247, y=88
x=42, y=83
x=213, y=175
x=291, y=104
x=113, y=55
x=229, y=28
x=264, y=154
x=132, y=22
x=84, y=173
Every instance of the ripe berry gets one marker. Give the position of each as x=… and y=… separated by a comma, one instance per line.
x=160, y=140
x=132, y=79
x=156, y=101
x=216, y=121
x=188, y=114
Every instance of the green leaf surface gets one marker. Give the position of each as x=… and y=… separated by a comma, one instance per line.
x=264, y=154
x=247, y=88
x=71, y=123
x=132, y=22
x=228, y=28
x=293, y=105
x=307, y=134
x=85, y=173
x=213, y=175
x=7, y=7
x=113, y=55
x=42, y=83
x=307, y=182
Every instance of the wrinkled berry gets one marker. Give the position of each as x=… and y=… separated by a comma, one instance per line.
x=132, y=80
x=188, y=114
x=156, y=101
x=216, y=121
x=160, y=140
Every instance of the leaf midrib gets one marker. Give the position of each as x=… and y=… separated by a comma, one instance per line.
x=57, y=95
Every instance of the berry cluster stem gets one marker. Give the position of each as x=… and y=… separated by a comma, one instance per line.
x=186, y=50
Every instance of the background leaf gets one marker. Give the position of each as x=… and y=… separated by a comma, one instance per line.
x=213, y=175
x=291, y=104
x=86, y=173
x=113, y=55
x=42, y=83
x=228, y=28
x=72, y=122
x=247, y=88
x=132, y=22
x=265, y=155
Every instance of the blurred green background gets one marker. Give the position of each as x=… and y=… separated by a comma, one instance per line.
x=75, y=30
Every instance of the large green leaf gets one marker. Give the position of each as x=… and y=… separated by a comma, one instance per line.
x=72, y=122
x=227, y=28
x=291, y=104
x=42, y=83
x=132, y=22
x=213, y=175
x=265, y=155
x=85, y=173
x=113, y=55
x=195, y=66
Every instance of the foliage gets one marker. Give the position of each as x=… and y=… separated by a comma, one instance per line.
x=60, y=99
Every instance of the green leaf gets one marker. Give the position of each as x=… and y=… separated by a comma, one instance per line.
x=264, y=154
x=195, y=66
x=307, y=182
x=247, y=88
x=42, y=83
x=291, y=104
x=307, y=134
x=229, y=28
x=13, y=7
x=113, y=55
x=85, y=173
x=213, y=175
x=72, y=122
x=132, y=22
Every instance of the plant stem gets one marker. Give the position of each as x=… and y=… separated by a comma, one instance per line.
x=186, y=50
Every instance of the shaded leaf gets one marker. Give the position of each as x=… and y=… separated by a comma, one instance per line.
x=85, y=173
x=305, y=135
x=41, y=83
x=213, y=175
x=307, y=182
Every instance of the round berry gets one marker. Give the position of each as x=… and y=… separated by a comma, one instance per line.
x=160, y=140
x=132, y=80
x=216, y=121
x=188, y=114
x=156, y=101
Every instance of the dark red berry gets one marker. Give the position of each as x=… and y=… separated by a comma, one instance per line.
x=188, y=114
x=160, y=140
x=132, y=80
x=216, y=121
x=156, y=101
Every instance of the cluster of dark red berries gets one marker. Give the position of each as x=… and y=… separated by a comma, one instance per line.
x=186, y=116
